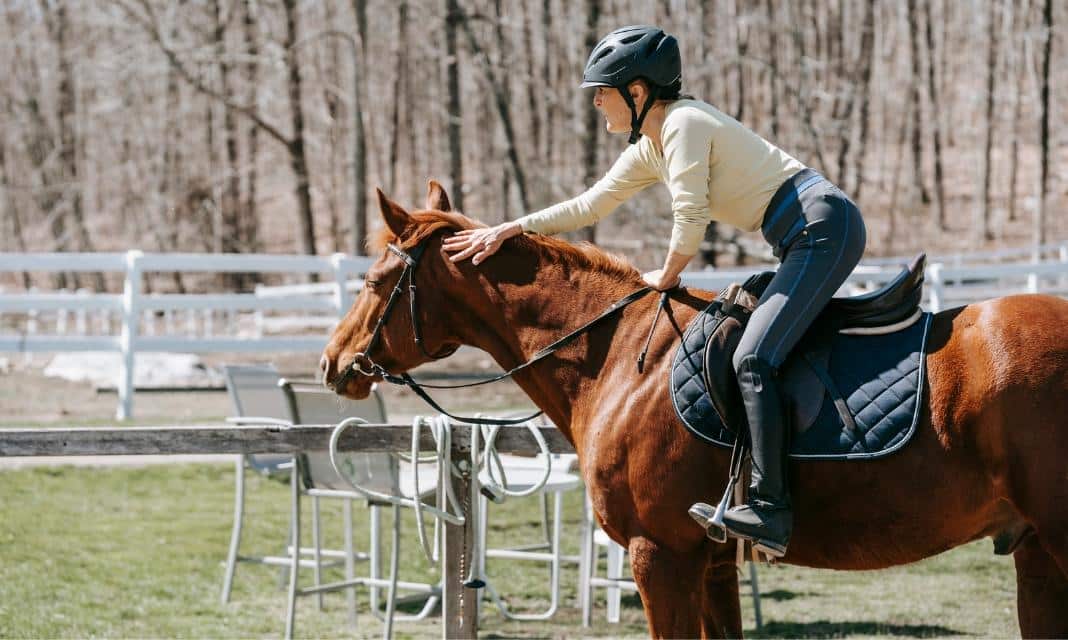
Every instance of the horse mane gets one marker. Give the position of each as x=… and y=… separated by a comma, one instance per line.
x=583, y=255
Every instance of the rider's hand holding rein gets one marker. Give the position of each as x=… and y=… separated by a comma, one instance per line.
x=480, y=243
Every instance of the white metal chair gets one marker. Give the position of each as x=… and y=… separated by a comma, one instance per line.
x=614, y=582
x=523, y=474
x=259, y=388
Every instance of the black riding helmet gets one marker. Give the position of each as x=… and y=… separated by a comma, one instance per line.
x=630, y=53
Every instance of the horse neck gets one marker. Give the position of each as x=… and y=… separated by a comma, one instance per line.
x=515, y=317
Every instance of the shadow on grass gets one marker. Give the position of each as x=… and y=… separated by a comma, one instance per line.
x=782, y=595
x=825, y=629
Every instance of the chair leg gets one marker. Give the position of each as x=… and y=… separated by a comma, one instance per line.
x=394, y=561
x=294, y=566
x=235, y=534
x=756, y=595
x=317, y=544
x=545, y=518
x=587, y=565
x=350, y=561
x=615, y=572
x=375, y=552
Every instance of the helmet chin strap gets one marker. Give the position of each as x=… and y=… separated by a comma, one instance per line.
x=636, y=119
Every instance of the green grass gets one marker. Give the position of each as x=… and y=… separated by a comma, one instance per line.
x=138, y=552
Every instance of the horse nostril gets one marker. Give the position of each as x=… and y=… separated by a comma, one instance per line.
x=324, y=363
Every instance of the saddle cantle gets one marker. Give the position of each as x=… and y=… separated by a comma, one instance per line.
x=852, y=384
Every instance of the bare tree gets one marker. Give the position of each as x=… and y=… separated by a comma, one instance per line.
x=983, y=227
x=455, y=116
x=593, y=119
x=936, y=123
x=1044, y=127
x=503, y=110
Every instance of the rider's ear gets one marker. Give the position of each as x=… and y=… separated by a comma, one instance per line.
x=436, y=198
x=396, y=218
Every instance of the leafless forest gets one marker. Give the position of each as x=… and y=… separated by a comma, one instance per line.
x=265, y=125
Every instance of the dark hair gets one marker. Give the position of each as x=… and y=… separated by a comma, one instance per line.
x=673, y=91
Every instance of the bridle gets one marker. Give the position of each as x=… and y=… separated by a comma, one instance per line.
x=411, y=261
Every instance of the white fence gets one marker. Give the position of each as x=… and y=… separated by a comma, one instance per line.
x=273, y=318
x=131, y=306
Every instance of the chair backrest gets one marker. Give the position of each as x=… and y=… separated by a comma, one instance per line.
x=254, y=393
x=312, y=404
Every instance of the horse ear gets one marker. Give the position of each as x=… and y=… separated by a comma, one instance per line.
x=394, y=215
x=436, y=198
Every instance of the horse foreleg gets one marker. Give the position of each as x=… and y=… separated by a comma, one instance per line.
x=1042, y=591
x=674, y=587
x=721, y=607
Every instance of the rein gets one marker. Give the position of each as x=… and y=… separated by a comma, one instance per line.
x=411, y=261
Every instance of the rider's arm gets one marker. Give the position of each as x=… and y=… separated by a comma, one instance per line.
x=688, y=147
x=630, y=174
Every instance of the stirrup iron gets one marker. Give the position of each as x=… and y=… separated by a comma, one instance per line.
x=714, y=526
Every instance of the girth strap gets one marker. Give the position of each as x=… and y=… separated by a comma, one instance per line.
x=836, y=397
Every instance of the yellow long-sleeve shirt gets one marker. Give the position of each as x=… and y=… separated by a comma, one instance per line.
x=714, y=167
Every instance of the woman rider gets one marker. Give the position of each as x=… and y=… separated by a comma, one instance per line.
x=715, y=169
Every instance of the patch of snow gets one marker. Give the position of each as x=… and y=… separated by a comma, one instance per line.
x=103, y=369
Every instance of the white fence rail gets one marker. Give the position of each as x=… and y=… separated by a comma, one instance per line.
x=134, y=309
x=272, y=318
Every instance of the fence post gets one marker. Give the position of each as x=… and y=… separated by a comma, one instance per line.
x=1062, y=253
x=934, y=276
x=131, y=289
x=459, y=604
x=341, y=296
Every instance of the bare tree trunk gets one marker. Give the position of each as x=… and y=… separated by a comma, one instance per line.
x=773, y=62
x=7, y=203
x=455, y=116
x=250, y=215
x=503, y=111
x=867, y=53
x=400, y=65
x=1044, y=133
x=1019, y=61
x=919, y=176
x=548, y=102
x=68, y=138
x=862, y=78
x=593, y=118
x=230, y=202
x=936, y=123
x=532, y=83
x=983, y=227
x=297, y=154
x=743, y=49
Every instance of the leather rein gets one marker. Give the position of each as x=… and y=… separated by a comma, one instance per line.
x=411, y=261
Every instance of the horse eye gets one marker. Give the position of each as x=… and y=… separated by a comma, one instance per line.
x=371, y=284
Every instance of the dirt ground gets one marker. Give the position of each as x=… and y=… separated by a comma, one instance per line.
x=28, y=397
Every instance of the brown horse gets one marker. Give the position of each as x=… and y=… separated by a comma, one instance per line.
x=988, y=459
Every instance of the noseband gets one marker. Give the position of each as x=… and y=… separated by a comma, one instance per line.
x=411, y=261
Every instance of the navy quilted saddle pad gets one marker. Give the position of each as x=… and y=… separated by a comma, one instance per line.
x=879, y=377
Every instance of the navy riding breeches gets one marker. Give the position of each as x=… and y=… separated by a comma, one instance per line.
x=818, y=235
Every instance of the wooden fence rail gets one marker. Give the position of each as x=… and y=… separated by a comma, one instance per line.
x=459, y=617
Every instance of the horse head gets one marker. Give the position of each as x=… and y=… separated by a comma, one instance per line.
x=379, y=334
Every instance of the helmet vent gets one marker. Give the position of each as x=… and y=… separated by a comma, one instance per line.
x=602, y=55
x=632, y=39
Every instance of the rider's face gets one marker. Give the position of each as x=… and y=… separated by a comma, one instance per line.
x=610, y=103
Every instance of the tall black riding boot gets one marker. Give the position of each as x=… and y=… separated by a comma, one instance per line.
x=766, y=518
